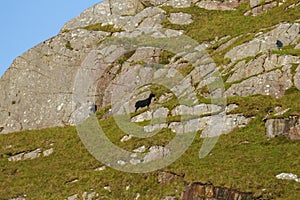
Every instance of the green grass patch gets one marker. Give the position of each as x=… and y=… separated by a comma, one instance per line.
x=165, y=57
x=69, y=46
x=243, y=159
x=100, y=27
x=293, y=52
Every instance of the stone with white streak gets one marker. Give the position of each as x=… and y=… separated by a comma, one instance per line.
x=225, y=124
x=156, y=153
x=154, y=127
x=288, y=176
x=180, y=18
x=218, y=5
x=73, y=197
x=199, y=109
x=181, y=3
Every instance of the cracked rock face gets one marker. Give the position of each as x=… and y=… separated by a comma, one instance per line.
x=180, y=18
x=273, y=83
x=266, y=75
x=285, y=127
x=259, y=6
x=297, y=78
x=219, y=5
x=38, y=85
x=286, y=33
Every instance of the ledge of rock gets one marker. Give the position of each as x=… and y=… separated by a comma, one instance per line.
x=285, y=32
x=259, y=7
x=289, y=128
x=180, y=18
x=219, y=5
x=31, y=155
x=199, y=190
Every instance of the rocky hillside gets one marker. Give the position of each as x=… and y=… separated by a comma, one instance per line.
x=39, y=87
x=228, y=69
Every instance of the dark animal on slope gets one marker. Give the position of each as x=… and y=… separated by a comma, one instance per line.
x=279, y=44
x=144, y=103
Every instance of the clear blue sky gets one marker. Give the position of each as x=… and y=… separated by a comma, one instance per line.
x=26, y=23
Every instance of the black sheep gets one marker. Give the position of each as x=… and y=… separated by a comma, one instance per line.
x=279, y=44
x=144, y=103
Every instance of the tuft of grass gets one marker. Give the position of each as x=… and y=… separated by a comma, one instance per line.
x=165, y=57
x=100, y=27
x=65, y=31
x=69, y=46
x=293, y=52
x=186, y=70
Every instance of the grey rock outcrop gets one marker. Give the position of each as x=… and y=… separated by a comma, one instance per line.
x=244, y=69
x=118, y=12
x=273, y=83
x=156, y=153
x=154, y=2
x=19, y=198
x=155, y=127
x=180, y=18
x=73, y=197
x=289, y=128
x=224, y=123
x=285, y=32
x=38, y=85
x=255, y=3
x=258, y=6
x=288, y=176
x=167, y=177
x=42, y=88
x=148, y=115
x=31, y=155
x=260, y=76
x=297, y=78
x=181, y=3
x=197, y=110
x=170, y=198
x=106, y=12
x=129, y=7
x=199, y=190
x=219, y=5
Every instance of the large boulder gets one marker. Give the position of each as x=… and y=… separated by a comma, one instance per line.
x=283, y=127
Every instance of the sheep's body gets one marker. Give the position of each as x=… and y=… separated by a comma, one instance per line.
x=279, y=44
x=144, y=103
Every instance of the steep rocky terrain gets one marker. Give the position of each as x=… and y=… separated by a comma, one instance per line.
x=220, y=70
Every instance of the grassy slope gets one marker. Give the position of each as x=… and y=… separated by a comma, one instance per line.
x=244, y=159
x=211, y=24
